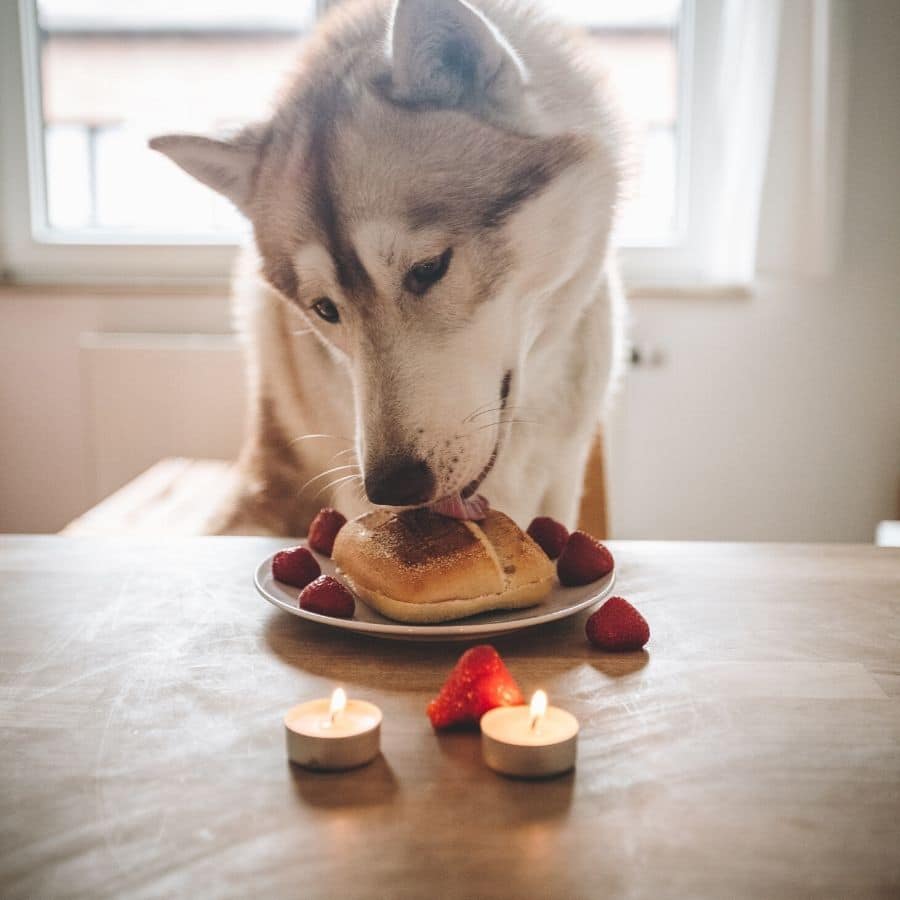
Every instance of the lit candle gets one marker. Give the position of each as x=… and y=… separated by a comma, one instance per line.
x=530, y=742
x=334, y=733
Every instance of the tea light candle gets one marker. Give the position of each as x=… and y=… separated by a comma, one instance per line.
x=334, y=733
x=530, y=742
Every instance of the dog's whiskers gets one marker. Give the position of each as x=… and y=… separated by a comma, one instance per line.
x=327, y=472
x=502, y=422
x=475, y=412
x=310, y=437
x=500, y=409
x=335, y=456
x=336, y=482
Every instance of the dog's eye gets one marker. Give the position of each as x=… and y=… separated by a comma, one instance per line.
x=326, y=309
x=426, y=273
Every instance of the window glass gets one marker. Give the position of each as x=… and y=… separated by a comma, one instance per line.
x=117, y=71
x=638, y=43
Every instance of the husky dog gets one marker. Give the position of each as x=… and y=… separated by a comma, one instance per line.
x=431, y=308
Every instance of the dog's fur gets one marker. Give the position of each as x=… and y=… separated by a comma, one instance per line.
x=404, y=133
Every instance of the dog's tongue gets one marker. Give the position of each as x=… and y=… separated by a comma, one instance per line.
x=474, y=508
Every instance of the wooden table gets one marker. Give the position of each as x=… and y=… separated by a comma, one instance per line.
x=753, y=751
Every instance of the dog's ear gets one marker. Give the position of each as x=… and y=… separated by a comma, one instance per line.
x=226, y=166
x=446, y=53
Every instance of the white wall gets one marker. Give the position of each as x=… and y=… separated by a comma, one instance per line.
x=776, y=417
x=52, y=466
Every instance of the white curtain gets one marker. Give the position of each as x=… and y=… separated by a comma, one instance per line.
x=740, y=114
x=801, y=225
x=733, y=54
x=775, y=119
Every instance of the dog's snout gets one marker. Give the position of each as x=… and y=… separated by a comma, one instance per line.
x=406, y=481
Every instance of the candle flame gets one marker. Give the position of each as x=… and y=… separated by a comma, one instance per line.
x=538, y=708
x=338, y=703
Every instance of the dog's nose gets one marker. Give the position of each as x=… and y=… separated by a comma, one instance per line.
x=402, y=482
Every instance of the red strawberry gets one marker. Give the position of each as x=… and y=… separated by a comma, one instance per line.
x=324, y=528
x=583, y=560
x=549, y=535
x=296, y=566
x=479, y=682
x=617, y=625
x=328, y=597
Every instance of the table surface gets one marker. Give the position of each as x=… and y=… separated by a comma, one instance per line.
x=753, y=750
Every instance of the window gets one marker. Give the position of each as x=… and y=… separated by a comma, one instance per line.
x=204, y=66
x=114, y=73
x=640, y=44
x=103, y=75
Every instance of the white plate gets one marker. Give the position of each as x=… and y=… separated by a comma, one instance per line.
x=559, y=603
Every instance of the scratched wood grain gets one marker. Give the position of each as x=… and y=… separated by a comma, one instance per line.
x=752, y=751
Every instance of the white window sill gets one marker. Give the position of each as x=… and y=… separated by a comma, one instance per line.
x=154, y=286
x=650, y=290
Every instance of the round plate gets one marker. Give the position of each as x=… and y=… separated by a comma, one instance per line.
x=558, y=604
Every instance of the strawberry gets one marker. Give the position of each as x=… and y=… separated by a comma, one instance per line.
x=549, y=535
x=328, y=597
x=324, y=528
x=617, y=625
x=296, y=566
x=479, y=682
x=583, y=560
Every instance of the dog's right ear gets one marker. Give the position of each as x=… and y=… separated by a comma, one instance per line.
x=226, y=166
x=446, y=53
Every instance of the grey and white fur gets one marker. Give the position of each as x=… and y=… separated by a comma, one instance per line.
x=431, y=281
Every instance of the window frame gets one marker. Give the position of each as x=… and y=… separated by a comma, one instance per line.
x=32, y=252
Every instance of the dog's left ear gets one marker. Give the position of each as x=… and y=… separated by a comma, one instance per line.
x=446, y=53
x=226, y=166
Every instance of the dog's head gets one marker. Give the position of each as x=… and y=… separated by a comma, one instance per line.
x=403, y=199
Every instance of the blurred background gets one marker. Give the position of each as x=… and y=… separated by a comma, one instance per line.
x=760, y=245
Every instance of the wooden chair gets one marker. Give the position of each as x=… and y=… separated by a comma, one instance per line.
x=175, y=497
x=593, y=516
x=178, y=496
